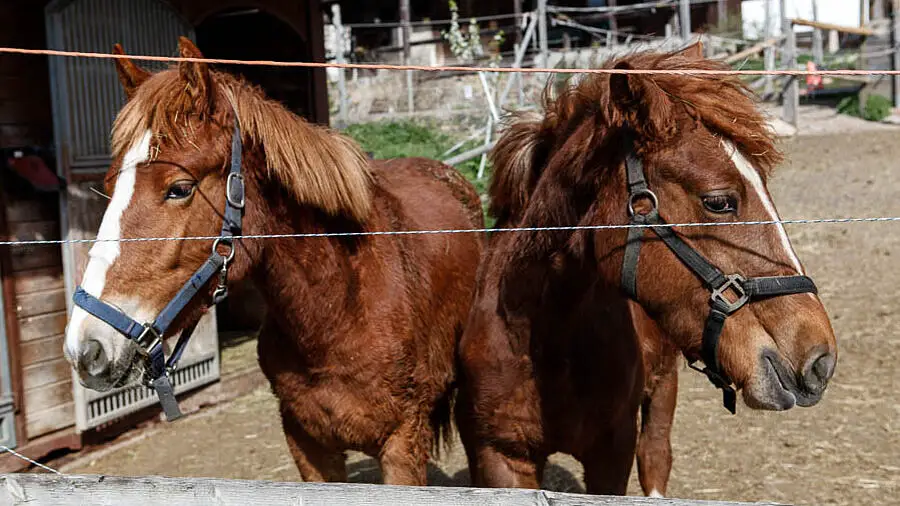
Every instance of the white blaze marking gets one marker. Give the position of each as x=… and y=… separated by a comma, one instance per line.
x=752, y=175
x=104, y=254
x=655, y=494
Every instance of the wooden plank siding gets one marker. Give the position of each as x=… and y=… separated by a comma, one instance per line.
x=40, y=313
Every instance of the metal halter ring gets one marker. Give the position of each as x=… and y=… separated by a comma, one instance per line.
x=239, y=179
x=230, y=255
x=639, y=194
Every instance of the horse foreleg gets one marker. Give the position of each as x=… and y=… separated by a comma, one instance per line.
x=607, y=465
x=404, y=456
x=654, y=448
x=315, y=462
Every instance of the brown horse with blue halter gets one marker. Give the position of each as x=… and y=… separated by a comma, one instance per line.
x=361, y=328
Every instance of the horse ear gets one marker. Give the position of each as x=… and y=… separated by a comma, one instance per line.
x=693, y=52
x=130, y=74
x=623, y=88
x=195, y=75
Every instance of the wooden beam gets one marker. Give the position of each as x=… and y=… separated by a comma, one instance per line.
x=791, y=96
x=684, y=18
x=752, y=50
x=818, y=46
x=37, y=449
x=470, y=154
x=36, y=489
x=857, y=30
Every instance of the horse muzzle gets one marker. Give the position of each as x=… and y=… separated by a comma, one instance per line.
x=777, y=387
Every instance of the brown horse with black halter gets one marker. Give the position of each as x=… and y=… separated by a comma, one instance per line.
x=361, y=332
x=554, y=351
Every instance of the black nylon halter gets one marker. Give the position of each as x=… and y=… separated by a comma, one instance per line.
x=719, y=284
x=149, y=336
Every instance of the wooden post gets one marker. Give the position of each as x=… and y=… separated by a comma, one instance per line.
x=834, y=41
x=722, y=14
x=789, y=62
x=542, y=33
x=684, y=14
x=339, y=57
x=817, y=42
x=407, y=33
x=895, y=55
x=517, y=10
x=613, y=22
x=769, y=54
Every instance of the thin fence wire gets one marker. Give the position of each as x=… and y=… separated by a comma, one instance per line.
x=436, y=22
x=428, y=68
x=14, y=453
x=460, y=231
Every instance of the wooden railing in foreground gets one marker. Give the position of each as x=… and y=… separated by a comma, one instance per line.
x=47, y=490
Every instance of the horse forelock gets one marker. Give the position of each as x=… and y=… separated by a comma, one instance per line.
x=317, y=166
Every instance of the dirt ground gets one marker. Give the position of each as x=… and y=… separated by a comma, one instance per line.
x=846, y=450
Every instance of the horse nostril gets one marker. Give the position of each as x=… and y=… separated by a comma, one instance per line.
x=818, y=371
x=93, y=358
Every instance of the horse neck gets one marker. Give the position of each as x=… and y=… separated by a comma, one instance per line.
x=305, y=281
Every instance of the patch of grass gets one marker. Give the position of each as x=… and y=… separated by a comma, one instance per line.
x=876, y=109
x=397, y=139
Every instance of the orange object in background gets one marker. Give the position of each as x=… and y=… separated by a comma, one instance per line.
x=813, y=82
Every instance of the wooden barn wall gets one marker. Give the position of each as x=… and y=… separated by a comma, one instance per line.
x=39, y=309
x=25, y=111
x=40, y=312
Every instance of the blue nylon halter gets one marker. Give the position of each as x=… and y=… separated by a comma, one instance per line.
x=149, y=336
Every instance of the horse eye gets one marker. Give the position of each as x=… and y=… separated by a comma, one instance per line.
x=180, y=190
x=720, y=204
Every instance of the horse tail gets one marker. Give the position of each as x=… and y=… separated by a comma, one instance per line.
x=442, y=421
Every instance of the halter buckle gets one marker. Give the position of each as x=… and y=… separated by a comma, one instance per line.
x=149, y=338
x=238, y=179
x=640, y=194
x=221, y=291
x=719, y=299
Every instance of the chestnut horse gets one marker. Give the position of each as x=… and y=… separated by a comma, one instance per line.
x=552, y=357
x=360, y=335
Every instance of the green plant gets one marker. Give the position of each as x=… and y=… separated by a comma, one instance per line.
x=394, y=139
x=466, y=46
x=876, y=109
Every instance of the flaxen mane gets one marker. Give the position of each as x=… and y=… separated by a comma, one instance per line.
x=722, y=103
x=317, y=166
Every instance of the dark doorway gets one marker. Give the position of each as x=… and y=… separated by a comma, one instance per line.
x=252, y=34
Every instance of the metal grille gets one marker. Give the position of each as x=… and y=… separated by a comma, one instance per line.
x=112, y=405
x=87, y=93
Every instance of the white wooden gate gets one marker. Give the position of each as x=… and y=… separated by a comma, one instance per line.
x=86, y=97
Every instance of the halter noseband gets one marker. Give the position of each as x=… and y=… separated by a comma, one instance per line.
x=719, y=284
x=149, y=336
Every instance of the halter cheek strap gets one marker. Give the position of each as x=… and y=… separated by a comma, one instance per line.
x=149, y=336
x=729, y=293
